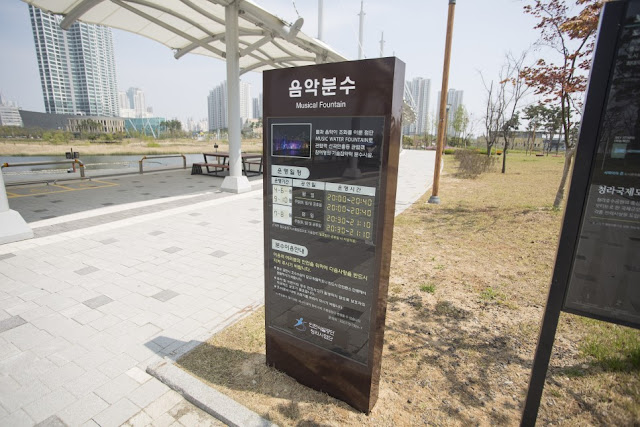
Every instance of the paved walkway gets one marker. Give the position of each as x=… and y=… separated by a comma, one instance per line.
x=100, y=294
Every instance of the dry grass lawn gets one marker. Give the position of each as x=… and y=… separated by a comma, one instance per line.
x=469, y=281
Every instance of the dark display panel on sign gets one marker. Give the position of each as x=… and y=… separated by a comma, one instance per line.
x=605, y=278
x=323, y=221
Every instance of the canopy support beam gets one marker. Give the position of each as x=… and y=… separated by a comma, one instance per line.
x=235, y=182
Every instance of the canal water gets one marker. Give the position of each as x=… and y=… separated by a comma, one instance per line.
x=119, y=164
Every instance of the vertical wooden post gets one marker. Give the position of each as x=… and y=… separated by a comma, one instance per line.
x=443, y=105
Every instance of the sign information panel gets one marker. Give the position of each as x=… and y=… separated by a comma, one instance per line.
x=605, y=278
x=331, y=149
x=597, y=268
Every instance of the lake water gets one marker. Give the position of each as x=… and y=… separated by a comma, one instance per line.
x=119, y=163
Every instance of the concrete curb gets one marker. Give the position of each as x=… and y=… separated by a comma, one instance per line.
x=206, y=398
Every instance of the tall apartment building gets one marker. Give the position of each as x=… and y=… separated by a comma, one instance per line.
x=133, y=105
x=420, y=89
x=217, y=105
x=77, y=66
x=257, y=107
x=454, y=101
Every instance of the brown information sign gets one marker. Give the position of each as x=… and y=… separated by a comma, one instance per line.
x=331, y=146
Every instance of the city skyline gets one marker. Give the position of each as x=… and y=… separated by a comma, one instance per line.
x=176, y=88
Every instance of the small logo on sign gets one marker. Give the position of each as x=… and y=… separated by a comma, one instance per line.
x=300, y=325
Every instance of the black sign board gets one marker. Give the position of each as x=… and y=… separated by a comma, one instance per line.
x=331, y=146
x=605, y=277
x=597, y=270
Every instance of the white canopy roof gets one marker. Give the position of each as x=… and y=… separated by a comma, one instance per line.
x=198, y=26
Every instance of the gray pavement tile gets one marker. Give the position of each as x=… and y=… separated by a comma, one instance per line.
x=97, y=301
x=156, y=233
x=41, y=210
x=17, y=419
x=203, y=223
x=48, y=405
x=148, y=393
x=52, y=421
x=83, y=410
x=219, y=254
x=172, y=250
x=86, y=270
x=165, y=295
x=6, y=256
x=11, y=322
x=117, y=414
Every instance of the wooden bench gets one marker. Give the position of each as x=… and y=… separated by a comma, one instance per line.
x=196, y=168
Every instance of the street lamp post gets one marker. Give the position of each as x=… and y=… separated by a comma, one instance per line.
x=435, y=199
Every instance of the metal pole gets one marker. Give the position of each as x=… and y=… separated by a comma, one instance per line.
x=235, y=182
x=382, y=45
x=443, y=105
x=320, y=11
x=361, y=37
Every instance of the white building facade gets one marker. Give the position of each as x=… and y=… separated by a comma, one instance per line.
x=77, y=67
x=420, y=89
x=217, y=106
x=454, y=101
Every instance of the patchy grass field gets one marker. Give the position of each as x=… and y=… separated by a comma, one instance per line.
x=469, y=280
x=11, y=147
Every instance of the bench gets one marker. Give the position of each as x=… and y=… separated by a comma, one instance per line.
x=196, y=168
x=246, y=166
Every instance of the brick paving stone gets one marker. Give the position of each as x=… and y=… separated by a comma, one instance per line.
x=48, y=405
x=52, y=421
x=165, y=295
x=86, y=270
x=18, y=418
x=98, y=301
x=82, y=410
x=11, y=322
x=117, y=388
x=116, y=414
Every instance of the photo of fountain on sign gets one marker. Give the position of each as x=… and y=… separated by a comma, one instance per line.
x=291, y=140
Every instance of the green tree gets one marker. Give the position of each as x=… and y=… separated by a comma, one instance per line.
x=564, y=82
x=461, y=125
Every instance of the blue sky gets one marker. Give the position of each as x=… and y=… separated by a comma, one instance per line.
x=414, y=31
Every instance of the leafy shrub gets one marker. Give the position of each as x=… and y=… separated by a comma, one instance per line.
x=449, y=151
x=473, y=164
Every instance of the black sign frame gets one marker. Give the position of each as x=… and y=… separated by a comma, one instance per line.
x=378, y=97
x=603, y=64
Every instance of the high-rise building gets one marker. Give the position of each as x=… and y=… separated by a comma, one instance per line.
x=77, y=66
x=420, y=89
x=137, y=101
x=454, y=101
x=257, y=107
x=217, y=105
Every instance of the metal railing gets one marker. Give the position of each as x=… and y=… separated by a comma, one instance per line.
x=62, y=162
x=184, y=159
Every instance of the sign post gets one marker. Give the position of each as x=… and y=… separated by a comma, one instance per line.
x=331, y=147
x=597, y=270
